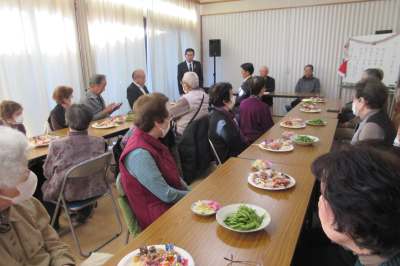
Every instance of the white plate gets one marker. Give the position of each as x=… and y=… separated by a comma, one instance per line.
x=307, y=122
x=102, y=127
x=304, y=143
x=129, y=259
x=283, y=125
x=304, y=110
x=283, y=134
x=291, y=184
x=262, y=147
x=228, y=210
x=118, y=121
x=202, y=214
x=260, y=168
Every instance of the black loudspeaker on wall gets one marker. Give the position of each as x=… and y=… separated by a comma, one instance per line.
x=215, y=48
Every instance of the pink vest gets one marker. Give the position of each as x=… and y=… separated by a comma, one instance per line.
x=145, y=204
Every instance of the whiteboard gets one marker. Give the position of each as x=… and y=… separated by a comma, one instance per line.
x=385, y=55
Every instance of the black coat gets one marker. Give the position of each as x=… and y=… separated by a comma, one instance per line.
x=225, y=137
x=133, y=93
x=194, y=149
x=245, y=87
x=270, y=86
x=183, y=68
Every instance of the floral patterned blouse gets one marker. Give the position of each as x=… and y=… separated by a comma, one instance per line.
x=65, y=153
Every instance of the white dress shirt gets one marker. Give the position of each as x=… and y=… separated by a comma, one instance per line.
x=188, y=65
x=140, y=87
x=241, y=92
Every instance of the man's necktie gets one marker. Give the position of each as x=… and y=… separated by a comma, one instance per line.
x=190, y=68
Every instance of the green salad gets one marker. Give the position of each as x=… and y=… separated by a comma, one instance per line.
x=308, y=102
x=316, y=121
x=244, y=219
x=129, y=116
x=304, y=139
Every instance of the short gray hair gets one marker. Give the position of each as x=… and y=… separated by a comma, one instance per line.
x=79, y=116
x=136, y=73
x=13, y=159
x=191, y=79
x=96, y=79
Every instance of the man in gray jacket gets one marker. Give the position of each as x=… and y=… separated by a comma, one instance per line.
x=307, y=84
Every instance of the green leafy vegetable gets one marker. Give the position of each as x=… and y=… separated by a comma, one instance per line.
x=304, y=139
x=316, y=121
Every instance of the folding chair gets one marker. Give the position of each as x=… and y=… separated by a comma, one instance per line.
x=130, y=217
x=287, y=108
x=82, y=170
x=216, y=155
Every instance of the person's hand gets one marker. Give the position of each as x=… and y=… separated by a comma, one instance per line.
x=117, y=106
x=109, y=108
x=345, y=125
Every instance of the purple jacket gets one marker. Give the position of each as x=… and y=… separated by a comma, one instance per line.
x=255, y=118
x=20, y=127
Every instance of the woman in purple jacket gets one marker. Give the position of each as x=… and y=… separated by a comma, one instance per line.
x=255, y=115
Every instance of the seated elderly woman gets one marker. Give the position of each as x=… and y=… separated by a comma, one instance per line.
x=148, y=172
x=194, y=102
x=67, y=152
x=26, y=237
x=64, y=98
x=255, y=115
x=224, y=132
x=369, y=98
x=11, y=115
x=360, y=203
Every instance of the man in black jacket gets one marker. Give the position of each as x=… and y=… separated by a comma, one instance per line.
x=244, y=90
x=189, y=65
x=269, y=86
x=137, y=87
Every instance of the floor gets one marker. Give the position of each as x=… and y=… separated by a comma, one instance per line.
x=104, y=223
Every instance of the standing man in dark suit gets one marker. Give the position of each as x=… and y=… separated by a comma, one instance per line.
x=244, y=90
x=269, y=86
x=189, y=65
x=137, y=87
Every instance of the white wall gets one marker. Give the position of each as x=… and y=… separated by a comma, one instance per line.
x=292, y=38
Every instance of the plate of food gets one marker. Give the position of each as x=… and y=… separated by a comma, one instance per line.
x=243, y=218
x=304, y=139
x=205, y=207
x=293, y=122
x=41, y=141
x=105, y=124
x=271, y=179
x=288, y=134
x=315, y=99
x=162, y=255
x=129, y=117
x=261, y=164
x=305, y=103
x=316, y=122
x=277, y=145
x=311, y=109
x=118, y=120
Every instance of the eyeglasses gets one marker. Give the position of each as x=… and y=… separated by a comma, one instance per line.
x=182, y=82
x=256, y=263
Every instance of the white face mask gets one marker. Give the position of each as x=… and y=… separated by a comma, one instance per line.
x=353, y=107
x=165, y=131
x=72, y=99
x=232, y=104
x=26, y=189
x=19, y=119
x=396, y=142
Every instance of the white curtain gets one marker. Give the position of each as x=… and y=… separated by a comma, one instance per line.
x=113, y=41
x=38, y=52
x=173, y=26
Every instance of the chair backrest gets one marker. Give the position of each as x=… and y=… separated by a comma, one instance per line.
x=46, y=128
x=287, y=108
x=88, y=167
x=215, y=152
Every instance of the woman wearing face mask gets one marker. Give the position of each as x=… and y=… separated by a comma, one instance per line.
x=26, y=238
x=148, y=172
x=224, y=132
x=369, y=98
x=255, y=115
x=64, y=98
x=11, y=115
x=193, y=102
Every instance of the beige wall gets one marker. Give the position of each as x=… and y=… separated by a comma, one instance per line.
x=250, y=5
